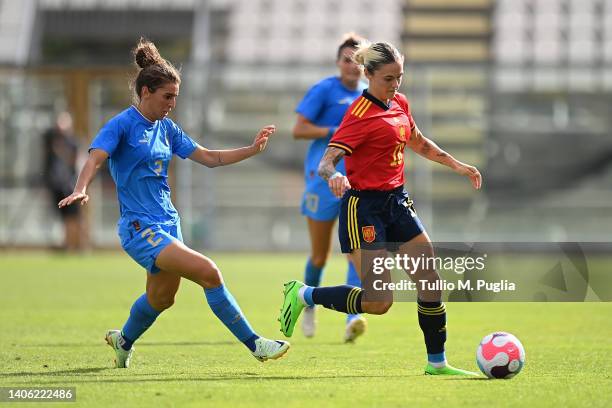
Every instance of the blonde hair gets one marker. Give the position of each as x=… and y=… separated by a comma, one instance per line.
x=154, y=70
x=373, y=56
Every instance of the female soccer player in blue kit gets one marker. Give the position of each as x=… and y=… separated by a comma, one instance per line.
x=318, y=115
x=376, y=214
x=139, y=144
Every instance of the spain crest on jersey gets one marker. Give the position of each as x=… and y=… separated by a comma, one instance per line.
x=369, y=233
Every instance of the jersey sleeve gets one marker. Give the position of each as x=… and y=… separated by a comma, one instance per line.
x=181, y=143
x=349, y=134
x=108, y=137
x=313, y=102
x=405, y=105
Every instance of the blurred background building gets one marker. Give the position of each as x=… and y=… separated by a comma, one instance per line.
x=520, y=88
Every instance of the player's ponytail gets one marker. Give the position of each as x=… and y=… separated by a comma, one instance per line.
x=154, y=70
x=373, y=56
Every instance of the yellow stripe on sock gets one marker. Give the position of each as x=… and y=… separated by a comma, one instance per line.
x=432, y=309
x=431, y=312
x=349, y=309
x=354, y=300
x=350, y=301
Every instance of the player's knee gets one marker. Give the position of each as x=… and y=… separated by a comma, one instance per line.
x=210, y=276
x=318, y=260
x=378, y=308
x=161, y=301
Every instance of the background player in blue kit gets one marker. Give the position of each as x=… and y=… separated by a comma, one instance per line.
x=139, y=143
x=318, y=115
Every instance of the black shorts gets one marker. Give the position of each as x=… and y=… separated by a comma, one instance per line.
x=372, y=219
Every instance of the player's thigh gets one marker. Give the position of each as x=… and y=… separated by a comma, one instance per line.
x=364, y=261
x=403, y=223
x=180, y=260
x=161, y=289
x=321, y=233
x=420, y=247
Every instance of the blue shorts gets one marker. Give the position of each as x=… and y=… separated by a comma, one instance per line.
x=143, y=242
x=319, y=203
x=377, y=220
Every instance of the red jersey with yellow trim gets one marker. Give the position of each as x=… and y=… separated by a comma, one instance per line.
x=374, y=136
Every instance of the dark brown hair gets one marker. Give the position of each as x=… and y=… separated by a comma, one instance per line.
x=350, y=40
x=154, y=70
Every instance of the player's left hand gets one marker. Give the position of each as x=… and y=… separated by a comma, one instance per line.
x=472, y=173
x=261, y=139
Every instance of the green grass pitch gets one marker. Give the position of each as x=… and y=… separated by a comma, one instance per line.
x=54, y=311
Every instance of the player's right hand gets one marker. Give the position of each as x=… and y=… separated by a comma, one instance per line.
x=72, y=198
x=339, y=185
x=261, y=139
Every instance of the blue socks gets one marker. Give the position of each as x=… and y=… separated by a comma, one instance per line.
x=307, y=295
x=142, y=316
x=224, y=306
x=352, y=279
x=312, y=274
x=437, y=360
x=222, y=303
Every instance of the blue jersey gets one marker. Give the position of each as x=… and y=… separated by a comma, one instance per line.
x=139, y=154
x=324, y=105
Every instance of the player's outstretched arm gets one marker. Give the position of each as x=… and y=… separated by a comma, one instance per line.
x=337, y=182
x=431, y=151
x=215, y=158
x=305, y=129
x=93, y=163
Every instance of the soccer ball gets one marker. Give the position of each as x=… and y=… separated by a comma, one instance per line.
x=500, y=355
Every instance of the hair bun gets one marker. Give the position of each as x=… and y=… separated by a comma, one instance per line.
x=146, y=54
x=360, y=54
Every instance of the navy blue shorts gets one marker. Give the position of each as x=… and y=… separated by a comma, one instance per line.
x=377, y=220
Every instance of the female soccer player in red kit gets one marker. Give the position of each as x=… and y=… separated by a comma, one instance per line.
x=377, y=214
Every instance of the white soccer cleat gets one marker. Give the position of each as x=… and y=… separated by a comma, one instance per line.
x=122, y=357
x=309, y=324
x=266, y=349
x=355, y=328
